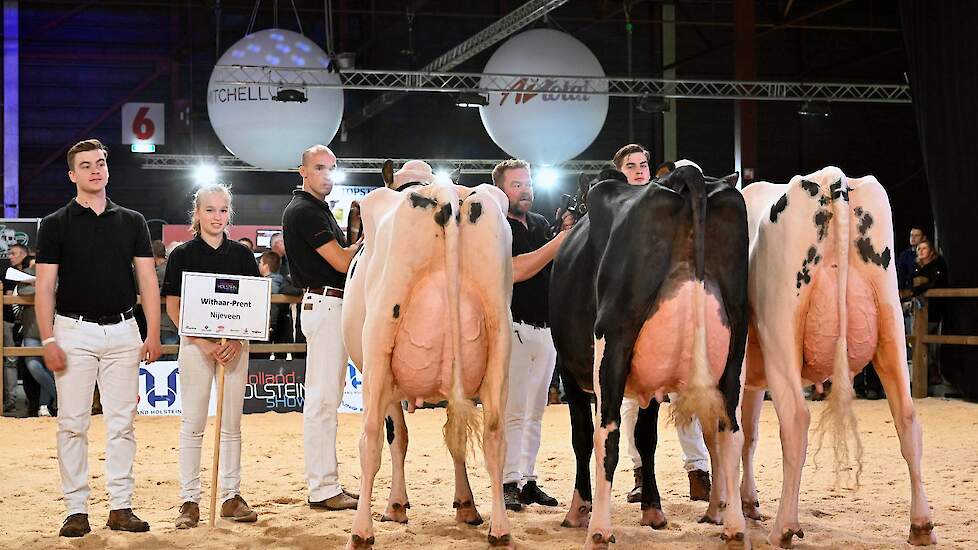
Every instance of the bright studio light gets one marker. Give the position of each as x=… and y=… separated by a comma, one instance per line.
x=443, y=176
x=205, y=174
x=338, y=176
x=548, y=177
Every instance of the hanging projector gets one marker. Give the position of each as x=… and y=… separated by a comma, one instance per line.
x=290, y=95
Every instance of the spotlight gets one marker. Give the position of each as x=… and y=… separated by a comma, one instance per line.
x=443, y=176
x=653, y=104
x=290, y=95
x=547, y=177
x=815, y=108
x=345, y=61
x=337, y=176
x=471, y=99
x=205, y=174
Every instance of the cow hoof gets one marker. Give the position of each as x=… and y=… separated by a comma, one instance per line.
x=358, y=543
x=504, y=541
x=736, y=541
x=600, y=541
x=712, y=520
x=396, y=512
x=922, y=535
x=653, y=517
x=786, y=538
x=577, y=518
x=752, y=510
x=465, y=512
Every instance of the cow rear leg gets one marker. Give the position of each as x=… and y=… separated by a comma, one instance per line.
x=493, y=393
x=717, y=496
x=734, y=525
x=751, y=404
x=891, y=365
x=582, y=434
x=646, y=439
x=375, y=403
x=794, y=419
x=464, y=503
x=610, y=370
x=397, y=439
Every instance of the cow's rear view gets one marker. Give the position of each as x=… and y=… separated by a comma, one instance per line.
x=649, y=296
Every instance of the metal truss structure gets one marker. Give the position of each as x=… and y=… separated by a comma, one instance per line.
x=479, y=42
x=447, y=82
x=227, y=163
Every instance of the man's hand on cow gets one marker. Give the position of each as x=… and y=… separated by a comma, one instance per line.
x=567, y=221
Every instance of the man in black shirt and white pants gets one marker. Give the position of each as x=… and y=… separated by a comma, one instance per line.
x=319, y=258
x=88, y=251
x=533, y=355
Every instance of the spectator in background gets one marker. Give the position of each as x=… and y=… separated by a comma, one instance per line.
x=906, y=262
x=277, y=245
x=46, y=403
x=9, y=363
x=169, y=334
x=280, y=325
x=247, y=242
x=930, y=272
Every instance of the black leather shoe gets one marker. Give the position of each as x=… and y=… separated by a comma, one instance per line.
x=76, y=525
x=511, y=496
x=124, y=520
x=533, y=494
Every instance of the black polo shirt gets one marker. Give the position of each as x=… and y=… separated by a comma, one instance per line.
x=231, y=258
x=531, y=297
x=94, y=254
x=307, y=224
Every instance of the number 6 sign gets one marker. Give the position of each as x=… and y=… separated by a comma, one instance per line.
x=143, y=122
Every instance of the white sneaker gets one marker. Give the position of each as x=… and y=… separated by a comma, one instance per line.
x=43, y=411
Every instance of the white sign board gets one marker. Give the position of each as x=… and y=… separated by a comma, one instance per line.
x=159, y=390
x=353, y=392
x=225, y=306
x=341, y=198
x=143, y=122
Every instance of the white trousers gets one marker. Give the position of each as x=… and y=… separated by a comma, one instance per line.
x=531, y=368
x=695, y=454
x=197, y=372
x=110, y=355
x=326, y=360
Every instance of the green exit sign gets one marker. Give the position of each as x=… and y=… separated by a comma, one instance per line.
x=143, y=147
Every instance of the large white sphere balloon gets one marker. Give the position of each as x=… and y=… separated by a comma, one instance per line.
x=550, y=121
x=266, y=133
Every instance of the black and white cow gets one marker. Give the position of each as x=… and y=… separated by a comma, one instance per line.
x=649, y=296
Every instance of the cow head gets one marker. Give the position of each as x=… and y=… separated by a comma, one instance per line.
x=414, y=172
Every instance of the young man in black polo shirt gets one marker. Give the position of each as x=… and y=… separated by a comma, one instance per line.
x=319, y=258
x=533, y=356
x=94, y=252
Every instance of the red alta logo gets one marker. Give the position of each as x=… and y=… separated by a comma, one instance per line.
x=550, y=89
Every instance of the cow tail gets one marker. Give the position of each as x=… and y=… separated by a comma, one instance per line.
x=700, y=398
x=838, y=416
x=462, y=423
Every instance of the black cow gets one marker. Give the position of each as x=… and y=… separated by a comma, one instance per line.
x=651, y=286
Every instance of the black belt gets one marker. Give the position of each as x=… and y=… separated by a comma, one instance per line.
x=327, y=291
x=534, y=324
x=112, y=319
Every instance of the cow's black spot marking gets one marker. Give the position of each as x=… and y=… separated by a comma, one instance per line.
x=865, y=220
x=803, y=277
x=397, y=310
x=838, y=190
x=869, y=254
x=823, y=200
x=810, y=186
x=822, y=218
x=475, y=211
x=812, y=252
x=389, y=424
x=779, y=207
x=443, y=215
x=420, y=201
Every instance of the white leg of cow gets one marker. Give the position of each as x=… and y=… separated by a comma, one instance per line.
x=376, y=398
x=397, y=438
x=785, y=383
x=493, y=394
x=464, y=503
x=734, y=526
x=890, y=363
x=751, y=406
x=717, y=495
x=599, y=533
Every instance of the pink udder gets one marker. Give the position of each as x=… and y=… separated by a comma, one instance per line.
x=663, y=353
x=822, y=324
x=422, y=358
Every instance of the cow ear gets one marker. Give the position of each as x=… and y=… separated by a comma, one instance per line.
x=388, y=172
x=731, y=180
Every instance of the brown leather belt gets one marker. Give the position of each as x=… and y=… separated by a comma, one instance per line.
x=327, y=291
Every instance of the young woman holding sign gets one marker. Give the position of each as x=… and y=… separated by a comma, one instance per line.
x=210, y=251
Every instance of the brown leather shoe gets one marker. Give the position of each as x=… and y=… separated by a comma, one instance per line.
x=238, y=510
x=635, y=495
x=124, y=520
x=342, y=501
x=76, y=525
x=699, y=485
x=189, y=515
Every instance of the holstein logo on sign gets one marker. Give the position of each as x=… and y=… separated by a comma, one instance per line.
x=226, y=286
x=152, y=397
x=545, y=115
